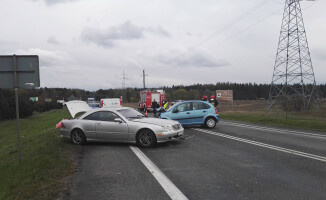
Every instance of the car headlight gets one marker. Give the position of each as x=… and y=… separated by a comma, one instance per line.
x=167, y=128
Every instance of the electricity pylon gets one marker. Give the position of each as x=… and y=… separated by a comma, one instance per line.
x=293, y=77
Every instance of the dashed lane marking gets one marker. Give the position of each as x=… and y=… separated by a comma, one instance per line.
x=290, y=151
x=283, y=131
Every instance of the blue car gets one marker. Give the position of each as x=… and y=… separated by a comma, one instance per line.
x=193, y=113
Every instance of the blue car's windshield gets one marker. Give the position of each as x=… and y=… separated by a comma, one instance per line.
x=173, y=106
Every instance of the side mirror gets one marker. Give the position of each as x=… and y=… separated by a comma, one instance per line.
x=175, y=110
x=118, y=120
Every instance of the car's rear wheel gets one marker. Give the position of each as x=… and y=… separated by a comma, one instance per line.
x=78, y=137
x=146, y=138
x=210, y=122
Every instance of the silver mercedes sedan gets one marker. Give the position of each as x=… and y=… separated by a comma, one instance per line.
x=120, y=124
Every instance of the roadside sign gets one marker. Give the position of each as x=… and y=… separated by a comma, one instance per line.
x=224, y=95
x=27, y=71
x=19, y=71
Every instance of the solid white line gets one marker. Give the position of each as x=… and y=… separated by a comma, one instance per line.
x=165, y=182
x=277, y=130
x=290, y=151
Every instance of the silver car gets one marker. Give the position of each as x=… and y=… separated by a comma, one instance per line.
x=120, y=124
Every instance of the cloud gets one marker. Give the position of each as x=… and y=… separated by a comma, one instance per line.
x=125, y=31
x=52, y=2
x=319, y=54
x=195, y=59
x=53, y=40
x=56, y=60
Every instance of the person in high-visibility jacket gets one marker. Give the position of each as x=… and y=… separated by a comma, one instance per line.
x=165, y=105
x=213, y=101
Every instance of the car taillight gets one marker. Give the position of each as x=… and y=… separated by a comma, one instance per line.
x=216, y=111
x=101, y=103
x=60, y=124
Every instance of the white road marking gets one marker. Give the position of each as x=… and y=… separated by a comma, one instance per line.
x=165, y=182
x=290, y=151
x=277, y=130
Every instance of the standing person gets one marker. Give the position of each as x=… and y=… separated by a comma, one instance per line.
x=204, y=98
x=213, y=101
x=163, y=102
x=154, y=106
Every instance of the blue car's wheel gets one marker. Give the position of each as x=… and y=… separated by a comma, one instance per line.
x=210, y=122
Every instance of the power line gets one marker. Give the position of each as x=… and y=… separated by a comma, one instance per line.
x=249, y=27
x=243, y=30
x=239, y=32
x=225, y=28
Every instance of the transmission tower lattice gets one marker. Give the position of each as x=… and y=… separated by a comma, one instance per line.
x=293, y=77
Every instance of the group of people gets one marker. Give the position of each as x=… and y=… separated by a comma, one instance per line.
x=157, y=108
x=212, y=100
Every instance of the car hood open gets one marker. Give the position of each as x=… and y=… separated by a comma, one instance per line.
x=156, y=121
x=75, y=107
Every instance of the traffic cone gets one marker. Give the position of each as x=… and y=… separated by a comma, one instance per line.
x=146, y=114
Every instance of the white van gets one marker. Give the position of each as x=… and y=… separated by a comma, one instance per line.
x=110, y=103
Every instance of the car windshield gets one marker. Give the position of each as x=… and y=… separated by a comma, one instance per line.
x=177, y=103
x=131, y=114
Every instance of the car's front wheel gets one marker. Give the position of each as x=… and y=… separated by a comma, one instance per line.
x=146, y=138
x=78, y=137
x=210, y=122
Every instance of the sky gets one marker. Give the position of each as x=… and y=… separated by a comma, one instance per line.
x=89, y=44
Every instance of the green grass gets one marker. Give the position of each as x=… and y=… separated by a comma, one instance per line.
x=45, y=157
x=300, y=120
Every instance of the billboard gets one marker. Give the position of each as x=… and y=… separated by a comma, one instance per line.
x=224, y=95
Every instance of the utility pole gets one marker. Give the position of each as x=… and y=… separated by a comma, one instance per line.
x=124, y=78
x=144, y=78
x=293, y=76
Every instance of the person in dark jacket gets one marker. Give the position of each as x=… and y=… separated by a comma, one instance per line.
x=154, y=106
x=214, y=101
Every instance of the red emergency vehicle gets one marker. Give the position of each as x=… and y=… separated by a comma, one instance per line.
x=147, y=97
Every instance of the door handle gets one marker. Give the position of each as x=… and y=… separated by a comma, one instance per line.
x=204, y=111
x=187, y=112
x=98, y=123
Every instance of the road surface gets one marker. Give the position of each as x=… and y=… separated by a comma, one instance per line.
x=235, y=160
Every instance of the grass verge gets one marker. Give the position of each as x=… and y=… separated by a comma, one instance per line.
x=307, y=121
x=45, y=157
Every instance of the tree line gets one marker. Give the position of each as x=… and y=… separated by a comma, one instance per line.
x=47, y=97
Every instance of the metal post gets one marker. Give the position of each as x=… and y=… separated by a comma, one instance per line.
x=17, y=109
x=144, y=79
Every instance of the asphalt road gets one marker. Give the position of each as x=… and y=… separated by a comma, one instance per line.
x=232, y=161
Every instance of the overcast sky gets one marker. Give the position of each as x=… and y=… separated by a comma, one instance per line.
x=88, y=44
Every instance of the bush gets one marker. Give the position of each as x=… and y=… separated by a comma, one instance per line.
x=8, y=105
x=26, y=107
